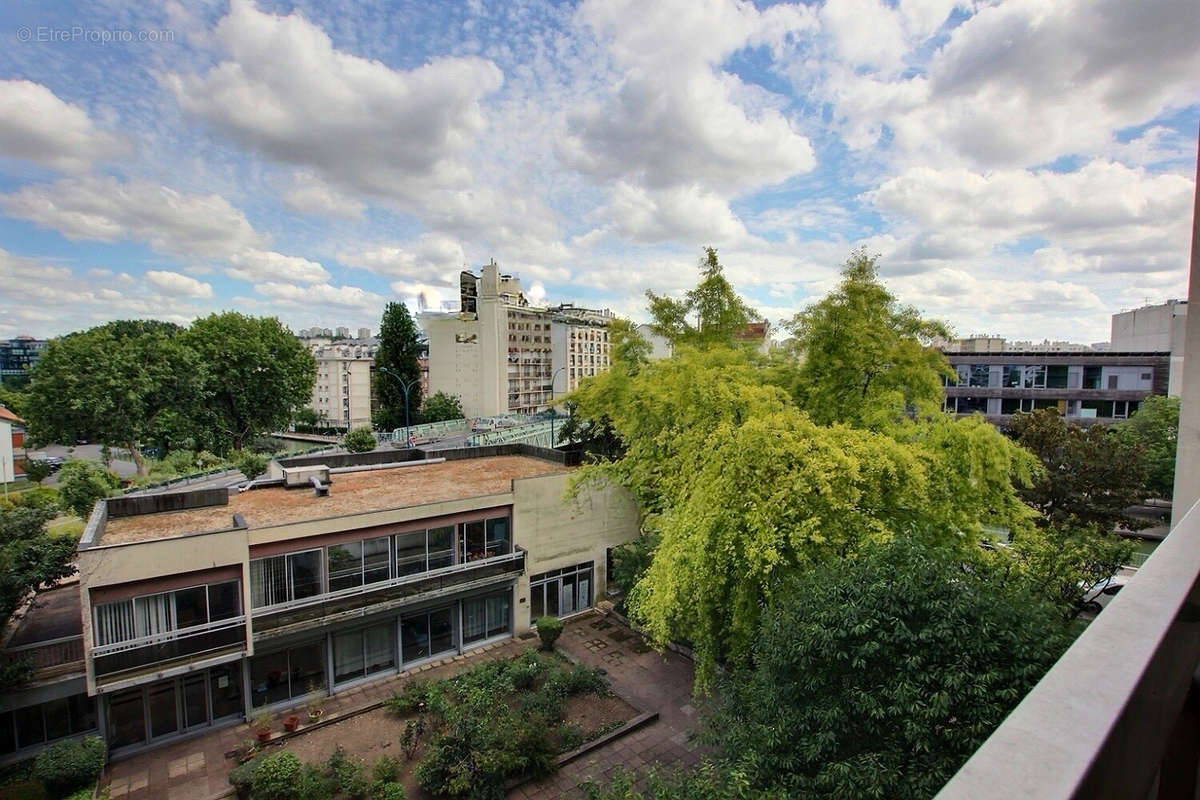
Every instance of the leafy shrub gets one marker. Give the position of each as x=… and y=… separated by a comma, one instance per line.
x=389, y=790
x=576, y=679
x=360, y=440
x=347, y=775
x=415, y=696
x=546, y=704
x=386, y=770
x=276, y=776
x=207, y=460
x=37, y=470
x=83, y=794
x=250, y=464
x=24, y=789
x=181, y=462
x=82, y=483
x=411, y=737
x=72, y=764
x=42, y=498
x=549, y=629
x=241, y=777
x=569, y=736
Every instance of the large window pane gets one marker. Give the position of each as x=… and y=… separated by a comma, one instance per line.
x=345, y=566
x=537, y=602
x=155, y=614
x=83, y=713
x=347, y=656
x=414, y=637
x=308, y=668
x=1056, y=377
x=497, y=536
x=305, y=571
x=473, y=540
x=498, y=614
x=269, y=678
x=378, y=651
x=58, y=718
x=268, y=581
x=30, y=730
x=8, y=734
x=410, y=553
x=376, y=559
x=224, y=600
x=225, y=687
x=126, y=722
x=195, y=700
x=163, y=716
x=474, y=613
x=114, y=622
x=191, y=607
x=441, y=631
x=441, y=547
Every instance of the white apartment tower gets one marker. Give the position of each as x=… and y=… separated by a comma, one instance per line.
x=342, y=392
x=501, y=355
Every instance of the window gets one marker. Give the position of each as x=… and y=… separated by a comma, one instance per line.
x=980, y=375
x=45, y=722
x=1056, y=376
x=497, y=537
x=486, y=617
x=426, y=634
x=472, y=540
x=1113, y=381
x=280, y=579
x=561, y=592
x=363, y=652
x=1091, y=377
x=153, y=614
x=276, y=677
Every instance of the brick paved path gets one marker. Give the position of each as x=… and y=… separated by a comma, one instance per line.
x=652, y=682
x=197, y=769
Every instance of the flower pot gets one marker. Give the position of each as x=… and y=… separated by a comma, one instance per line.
x=315, y=715
x=264, y=734
x=291, y=723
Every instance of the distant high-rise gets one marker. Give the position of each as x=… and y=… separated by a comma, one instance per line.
x=364, y=333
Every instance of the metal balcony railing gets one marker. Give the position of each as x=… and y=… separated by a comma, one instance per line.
x=49, y=658
x=312, y=609
x=111, y=660
x=1119, y=714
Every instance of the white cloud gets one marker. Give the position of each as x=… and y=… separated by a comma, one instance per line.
x=680, y=213
x=422, y=296
x=309, y=194
x=37, y=126
x=176, y=284
x=108, y=210
x=266, y=265
x=428, y=257
x=288, y=93
x=322, y=294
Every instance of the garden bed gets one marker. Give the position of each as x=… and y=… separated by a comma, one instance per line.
x=519, y=715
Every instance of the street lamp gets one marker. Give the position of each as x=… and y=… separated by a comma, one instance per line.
x=406, y=386
x=553, y=413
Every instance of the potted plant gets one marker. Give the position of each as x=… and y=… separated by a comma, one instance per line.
x=316, y=704
x=261, y=724
x=246, y=751
x=291, y=722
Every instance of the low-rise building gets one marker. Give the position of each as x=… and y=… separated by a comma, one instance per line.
x=194, y=610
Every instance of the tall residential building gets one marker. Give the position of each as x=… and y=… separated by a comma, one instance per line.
x=196, y=610
x=342, y=392
x=501, y=355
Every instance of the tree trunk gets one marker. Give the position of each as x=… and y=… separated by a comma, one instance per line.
x=136, y=454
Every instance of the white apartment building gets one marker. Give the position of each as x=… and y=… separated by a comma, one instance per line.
x=342, y=392
x=501, y=355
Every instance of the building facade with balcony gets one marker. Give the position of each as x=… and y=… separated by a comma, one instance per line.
x=342, y=392
x=198, y=609
x=1087, y=386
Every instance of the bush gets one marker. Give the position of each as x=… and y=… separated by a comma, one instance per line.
x=549, y=629
x=83, y=794
x=415, y=696
x=569, y=736
x=82, y=483
x=250, y=464
x=391, y=790
x=23, y=789
x=37, y=470
x=360, y=440
x=576, y=679
x=346, y=775
x=276, y=776
x=386, y=770
x=241, y=777
x=44, y=498
x=72, y=764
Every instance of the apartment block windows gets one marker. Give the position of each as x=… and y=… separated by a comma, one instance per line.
x=561, y=592
x=484, y=538
x=486, y=617
x=980, y=375
x=287, y=674
x=420, y=551
x=357, y=654
x=45, y=722
x=1056, y=376
x=1092, y=377
x=284, y=578
x=356, y=563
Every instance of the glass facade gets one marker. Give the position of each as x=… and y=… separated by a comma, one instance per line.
x=45, y=722
x=173, y=706
x=287, y=674
x=561, y=592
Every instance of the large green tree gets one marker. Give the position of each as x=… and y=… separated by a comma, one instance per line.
x=440, y=407
x=32, y=559
x=399, y=349
x=711, y=313
x=878, y=676
x=125, y=383
x=256, y=375
x=1154, y=431
x=866, y=358
x=1090, y=476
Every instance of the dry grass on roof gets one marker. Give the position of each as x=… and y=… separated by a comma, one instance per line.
x=350, y=493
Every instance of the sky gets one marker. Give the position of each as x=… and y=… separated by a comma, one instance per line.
x=1022, y=168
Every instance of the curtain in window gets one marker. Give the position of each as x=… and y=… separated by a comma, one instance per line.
x=114, y=623
x=474, y=620
x=377, y=648
x=497, y=614
x=155, y=614
x=268, y=581
x=347, y=656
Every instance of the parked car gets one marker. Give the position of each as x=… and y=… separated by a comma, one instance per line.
x=54, y=462
x=1098, y=596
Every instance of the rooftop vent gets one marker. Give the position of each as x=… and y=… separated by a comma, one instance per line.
x=319, y=489
x=300, y=477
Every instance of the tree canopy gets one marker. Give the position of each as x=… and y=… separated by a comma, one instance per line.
x=32, y=559
x=399, y=348
x=1154, y=432
x=440, y=407
x=874, y=677
x=256, y=375
x=864, y=355
x=719, y=314
x=125, y=383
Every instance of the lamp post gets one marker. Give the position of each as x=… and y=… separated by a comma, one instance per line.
x=553, y=413
x=406, y=386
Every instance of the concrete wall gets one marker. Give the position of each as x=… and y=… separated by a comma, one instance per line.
x=558, y=532
x=7, y=466
x=454, y=359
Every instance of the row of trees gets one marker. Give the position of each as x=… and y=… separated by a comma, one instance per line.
x=214, y=385
x=811, y=525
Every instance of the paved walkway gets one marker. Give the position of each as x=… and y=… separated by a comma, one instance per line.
x=197, y=769
x=651, y=681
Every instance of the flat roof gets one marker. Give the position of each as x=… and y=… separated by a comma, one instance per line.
x=55, y=614
x=350, y=493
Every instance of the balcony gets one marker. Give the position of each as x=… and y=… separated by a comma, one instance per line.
x=390, y=592
x=49, y=659
x=158, y=651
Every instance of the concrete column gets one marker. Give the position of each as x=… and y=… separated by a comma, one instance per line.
x=1187, y=459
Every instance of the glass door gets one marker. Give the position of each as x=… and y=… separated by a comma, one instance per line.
x=195, y=700
x=164, y=716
